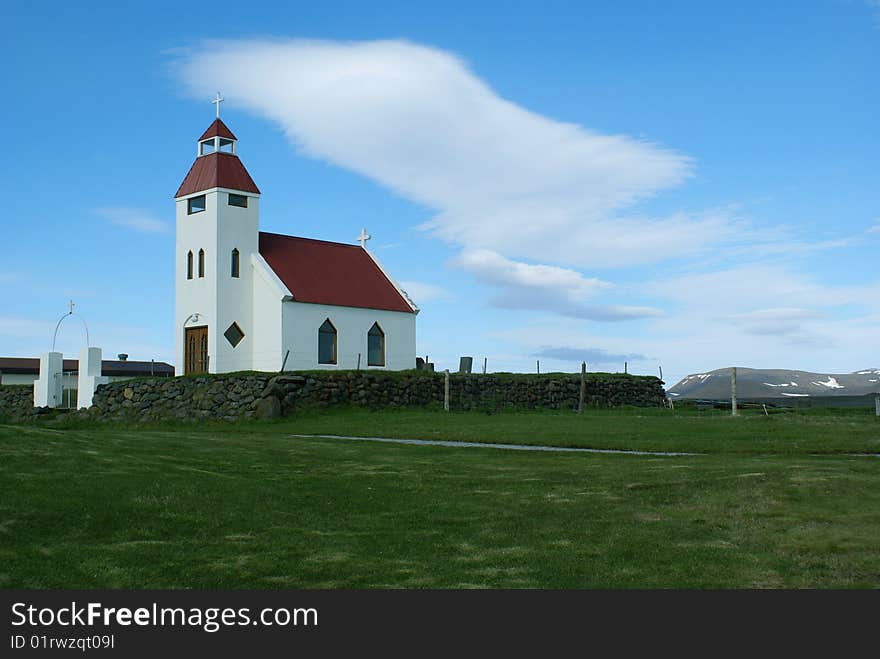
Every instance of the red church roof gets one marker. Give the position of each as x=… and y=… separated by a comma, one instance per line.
x=217, y=170
x=218, y=128
x=322, y=272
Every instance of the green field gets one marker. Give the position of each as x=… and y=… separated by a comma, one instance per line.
x=772, y=502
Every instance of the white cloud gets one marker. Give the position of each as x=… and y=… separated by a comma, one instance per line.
x=418, y=121
x=420, y=292
x=784, y=320
x=589, y=355
x=24, y=327
x=544, y=288
x=133, y=218
x=493, y=268
x=754, y=286
x=874, y=228
x=875, y=5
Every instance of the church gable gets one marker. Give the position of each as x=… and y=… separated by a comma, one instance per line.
x=322, y=272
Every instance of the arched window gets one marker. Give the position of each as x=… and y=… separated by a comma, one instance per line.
x=189, y=265
x=235, y=262
x=201, y=263
x=327, y=343
x=376, y=346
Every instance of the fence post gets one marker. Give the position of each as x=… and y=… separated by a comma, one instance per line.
x=583, y=387
x=485, y=359
x=446, y=390
x=877, y=406
x=539, y=367
x=733, y=411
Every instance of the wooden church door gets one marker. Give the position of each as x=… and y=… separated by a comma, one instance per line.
x=196, y=350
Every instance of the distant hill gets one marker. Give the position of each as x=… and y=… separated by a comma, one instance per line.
x=775, y=383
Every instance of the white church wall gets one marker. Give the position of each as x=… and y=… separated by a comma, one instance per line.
x=238, y=229
x=199, y=294
x=300, y=336
x=218, y=298
x=268, y=292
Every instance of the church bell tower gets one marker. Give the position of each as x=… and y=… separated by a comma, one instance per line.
x=217, y=235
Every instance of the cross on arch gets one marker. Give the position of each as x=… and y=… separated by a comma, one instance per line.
x=363, y=238
x=217, y=101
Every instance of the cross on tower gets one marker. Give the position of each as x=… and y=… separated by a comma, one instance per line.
x=70, y=305
x=364, y=237
x=217, y=101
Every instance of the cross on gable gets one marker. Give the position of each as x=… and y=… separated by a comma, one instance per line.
x=363, y=238
x=217, y=101
x=70, y=305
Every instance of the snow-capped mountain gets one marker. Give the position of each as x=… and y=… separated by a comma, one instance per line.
x=776, y=383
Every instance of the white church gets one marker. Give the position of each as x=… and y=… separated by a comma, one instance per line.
x=251, y=300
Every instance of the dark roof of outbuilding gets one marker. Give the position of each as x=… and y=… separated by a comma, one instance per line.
x=30, y=365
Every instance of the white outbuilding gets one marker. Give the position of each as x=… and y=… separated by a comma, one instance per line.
x=251, y=300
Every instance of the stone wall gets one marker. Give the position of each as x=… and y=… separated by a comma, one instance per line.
x=241, y=396
x=553, y=391
x=16, y=401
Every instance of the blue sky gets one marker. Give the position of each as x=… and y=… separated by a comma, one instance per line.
x=684, y=184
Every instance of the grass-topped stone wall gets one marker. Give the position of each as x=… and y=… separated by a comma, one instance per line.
x=16, y=401
x=235, y=396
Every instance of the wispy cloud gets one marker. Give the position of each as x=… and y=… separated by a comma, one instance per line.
x=420, y=292
x=24, y=327
x=589, y=355
x=875, y=6
x=544, y=288
x=133, y=218
x=783, y=320
x=874, y=228
x=493, y=268
x=419, y=121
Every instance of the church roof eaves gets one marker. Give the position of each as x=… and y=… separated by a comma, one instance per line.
x=217, y=170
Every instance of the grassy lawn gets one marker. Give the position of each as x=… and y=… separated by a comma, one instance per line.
x=773, y=502
x=644, y=429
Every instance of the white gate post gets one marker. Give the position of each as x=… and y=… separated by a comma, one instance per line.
x=47, y=387
x=89, y=376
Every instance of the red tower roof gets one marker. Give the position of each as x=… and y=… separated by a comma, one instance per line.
x=218, y=128
x=322, y=272
x=217, y=170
